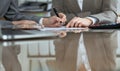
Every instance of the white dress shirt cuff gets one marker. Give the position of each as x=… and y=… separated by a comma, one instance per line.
x=93, y=19
x=41, y=21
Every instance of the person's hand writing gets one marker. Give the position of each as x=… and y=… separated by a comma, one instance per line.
x=54, y=21
x=79, y=22
x=63, y=17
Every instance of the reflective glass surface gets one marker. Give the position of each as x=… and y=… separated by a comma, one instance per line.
x=51, y=52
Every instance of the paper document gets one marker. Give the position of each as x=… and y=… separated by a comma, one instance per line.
x=63, y=28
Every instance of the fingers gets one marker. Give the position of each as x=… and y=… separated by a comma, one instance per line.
x=75, y=22
x=79, y=22
x=28, y=22
x=63, y=17
x=55, y=21
x=25, y=24
x=58, y=20
x=71, y=23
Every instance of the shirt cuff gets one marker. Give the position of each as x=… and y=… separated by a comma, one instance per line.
x=41, y=21
x=93, y=19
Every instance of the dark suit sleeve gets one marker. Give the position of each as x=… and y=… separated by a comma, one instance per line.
x=108, y=12
x=14, y=14
x=4, y=23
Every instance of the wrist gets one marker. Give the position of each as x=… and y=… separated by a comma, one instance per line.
x=45, y=21
x=16, y=22
x=89, y=21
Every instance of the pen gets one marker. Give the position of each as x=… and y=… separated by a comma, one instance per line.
x=56, y=13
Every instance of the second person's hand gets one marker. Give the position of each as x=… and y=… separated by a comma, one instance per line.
x=79, y=22
x=25, y=24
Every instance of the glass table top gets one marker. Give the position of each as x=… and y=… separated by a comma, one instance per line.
x=52, y=54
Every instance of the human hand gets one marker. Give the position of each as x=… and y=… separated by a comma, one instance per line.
x=24, y=23
x=63, y=17
x=79, y=22
x=54, y=21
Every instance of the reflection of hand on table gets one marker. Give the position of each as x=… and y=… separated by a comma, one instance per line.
x=62, y=34
x=62, y=31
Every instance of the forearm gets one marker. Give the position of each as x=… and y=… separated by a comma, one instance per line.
x=106, y=16
x=19, y=16
x=108, y=11
x=13, y=13
x=5, y=24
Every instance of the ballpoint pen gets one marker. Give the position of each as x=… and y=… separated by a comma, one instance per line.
x=56, y=13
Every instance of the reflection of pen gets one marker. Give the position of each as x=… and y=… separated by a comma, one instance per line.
x=56, y=13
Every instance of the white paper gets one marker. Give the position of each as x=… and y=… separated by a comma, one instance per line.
x=63, y=28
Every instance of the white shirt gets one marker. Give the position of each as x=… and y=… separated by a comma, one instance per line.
x=80, y=3
x=41, y=21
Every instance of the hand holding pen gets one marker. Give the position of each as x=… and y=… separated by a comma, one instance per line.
x=60, y=15
x=55, y=21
